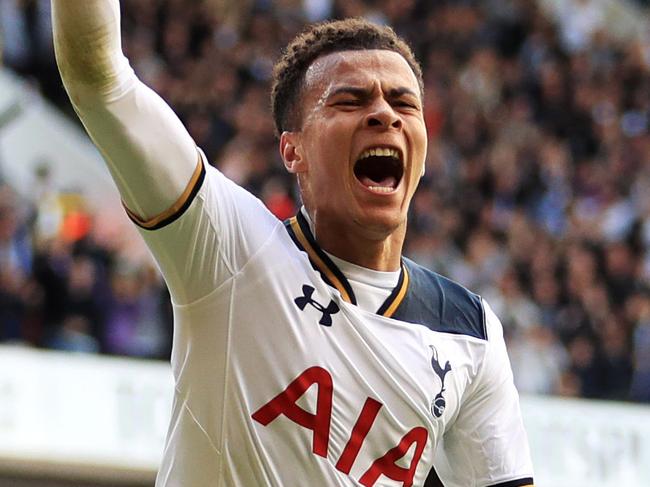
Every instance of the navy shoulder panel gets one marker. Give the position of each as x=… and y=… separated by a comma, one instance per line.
x=441, y=304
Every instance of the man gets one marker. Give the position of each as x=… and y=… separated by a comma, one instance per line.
x=310, y=352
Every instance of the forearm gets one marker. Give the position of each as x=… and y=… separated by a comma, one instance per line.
x=148, y=151
x=88, y=46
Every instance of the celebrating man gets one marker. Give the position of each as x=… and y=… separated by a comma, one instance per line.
x=308, y=352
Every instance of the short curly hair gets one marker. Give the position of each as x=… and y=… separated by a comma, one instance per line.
x=351, y=34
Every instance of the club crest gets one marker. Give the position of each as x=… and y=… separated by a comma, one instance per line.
x=439, y=402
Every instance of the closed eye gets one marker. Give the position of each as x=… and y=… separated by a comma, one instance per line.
x=348, y=103
x=405, y=104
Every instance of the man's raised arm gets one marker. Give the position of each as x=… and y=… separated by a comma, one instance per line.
x=150, y=154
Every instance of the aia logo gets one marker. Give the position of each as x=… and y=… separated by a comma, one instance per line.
x=327, y=311
x=391, y=464
x=439, y=403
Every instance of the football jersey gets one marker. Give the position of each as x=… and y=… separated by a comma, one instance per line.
x=281, y=380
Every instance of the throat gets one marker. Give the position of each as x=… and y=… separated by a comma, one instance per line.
x=357, y=244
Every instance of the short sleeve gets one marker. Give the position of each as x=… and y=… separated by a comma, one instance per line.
x=487, y=446
x=208, y=235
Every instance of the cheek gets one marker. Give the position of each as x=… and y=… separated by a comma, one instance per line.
x=324, y=167
x=333, y=154
x=422, y=134
x=421, y=141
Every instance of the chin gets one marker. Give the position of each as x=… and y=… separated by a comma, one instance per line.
x=380, y=223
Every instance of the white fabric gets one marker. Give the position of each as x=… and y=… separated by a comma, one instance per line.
x=371, y=288
x=246, y=340
x=240, y=340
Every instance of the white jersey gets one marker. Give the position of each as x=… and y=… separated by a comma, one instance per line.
x=281, y=380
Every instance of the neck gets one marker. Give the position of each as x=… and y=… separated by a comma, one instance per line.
x=355, y=243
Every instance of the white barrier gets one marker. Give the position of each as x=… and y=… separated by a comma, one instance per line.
x=106, y=418
x=588, y=443
x=82, y=416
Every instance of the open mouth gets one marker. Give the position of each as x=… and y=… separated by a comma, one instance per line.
x=379, y=169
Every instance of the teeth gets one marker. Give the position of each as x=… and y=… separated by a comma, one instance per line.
x=380, y=189
x=379, y=151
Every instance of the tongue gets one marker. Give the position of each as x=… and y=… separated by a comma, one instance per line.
x=387, y=182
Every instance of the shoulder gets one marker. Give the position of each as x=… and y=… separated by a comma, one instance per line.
x=441, y=304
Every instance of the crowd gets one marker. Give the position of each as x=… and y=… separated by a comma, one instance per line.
x=535, y=194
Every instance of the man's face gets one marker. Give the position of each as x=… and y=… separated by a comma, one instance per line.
x=360, y=152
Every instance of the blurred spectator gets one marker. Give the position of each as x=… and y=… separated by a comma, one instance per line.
x=639, y=310
x=132, y=318
x=579, y=20
x=538, y=361
x=26, y=43
x=15, y=266
x=74, y=336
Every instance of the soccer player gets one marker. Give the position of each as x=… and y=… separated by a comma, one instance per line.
x=308, y=352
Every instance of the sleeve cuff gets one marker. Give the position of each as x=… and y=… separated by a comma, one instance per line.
x=178, y=208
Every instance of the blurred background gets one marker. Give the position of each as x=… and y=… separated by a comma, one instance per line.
x=536, y=196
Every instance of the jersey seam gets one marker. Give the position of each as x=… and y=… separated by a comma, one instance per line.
x=233, y=273
x=261, y=248
x=226, y=369
x=219, y=239
x=197, y=422
x=481, y=371
x=200, y=198
x=408, y=324
x=477, y=389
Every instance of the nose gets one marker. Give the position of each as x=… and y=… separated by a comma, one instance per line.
x=382, y=115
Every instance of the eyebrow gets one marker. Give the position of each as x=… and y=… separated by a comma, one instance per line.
x=365, y=93
x=350, y=90
x=397, y=92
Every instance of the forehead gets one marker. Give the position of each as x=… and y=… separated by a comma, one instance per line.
x=360, y=69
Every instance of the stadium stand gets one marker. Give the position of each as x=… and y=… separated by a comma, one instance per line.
x=535, y=193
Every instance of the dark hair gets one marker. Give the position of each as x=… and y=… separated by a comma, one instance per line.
x=318, y=40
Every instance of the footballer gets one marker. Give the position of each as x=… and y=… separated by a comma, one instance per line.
x=306, y=352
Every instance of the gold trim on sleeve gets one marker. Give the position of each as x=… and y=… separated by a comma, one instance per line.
x=179, y=205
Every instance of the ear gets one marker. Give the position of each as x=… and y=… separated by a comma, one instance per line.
x=292, y=152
